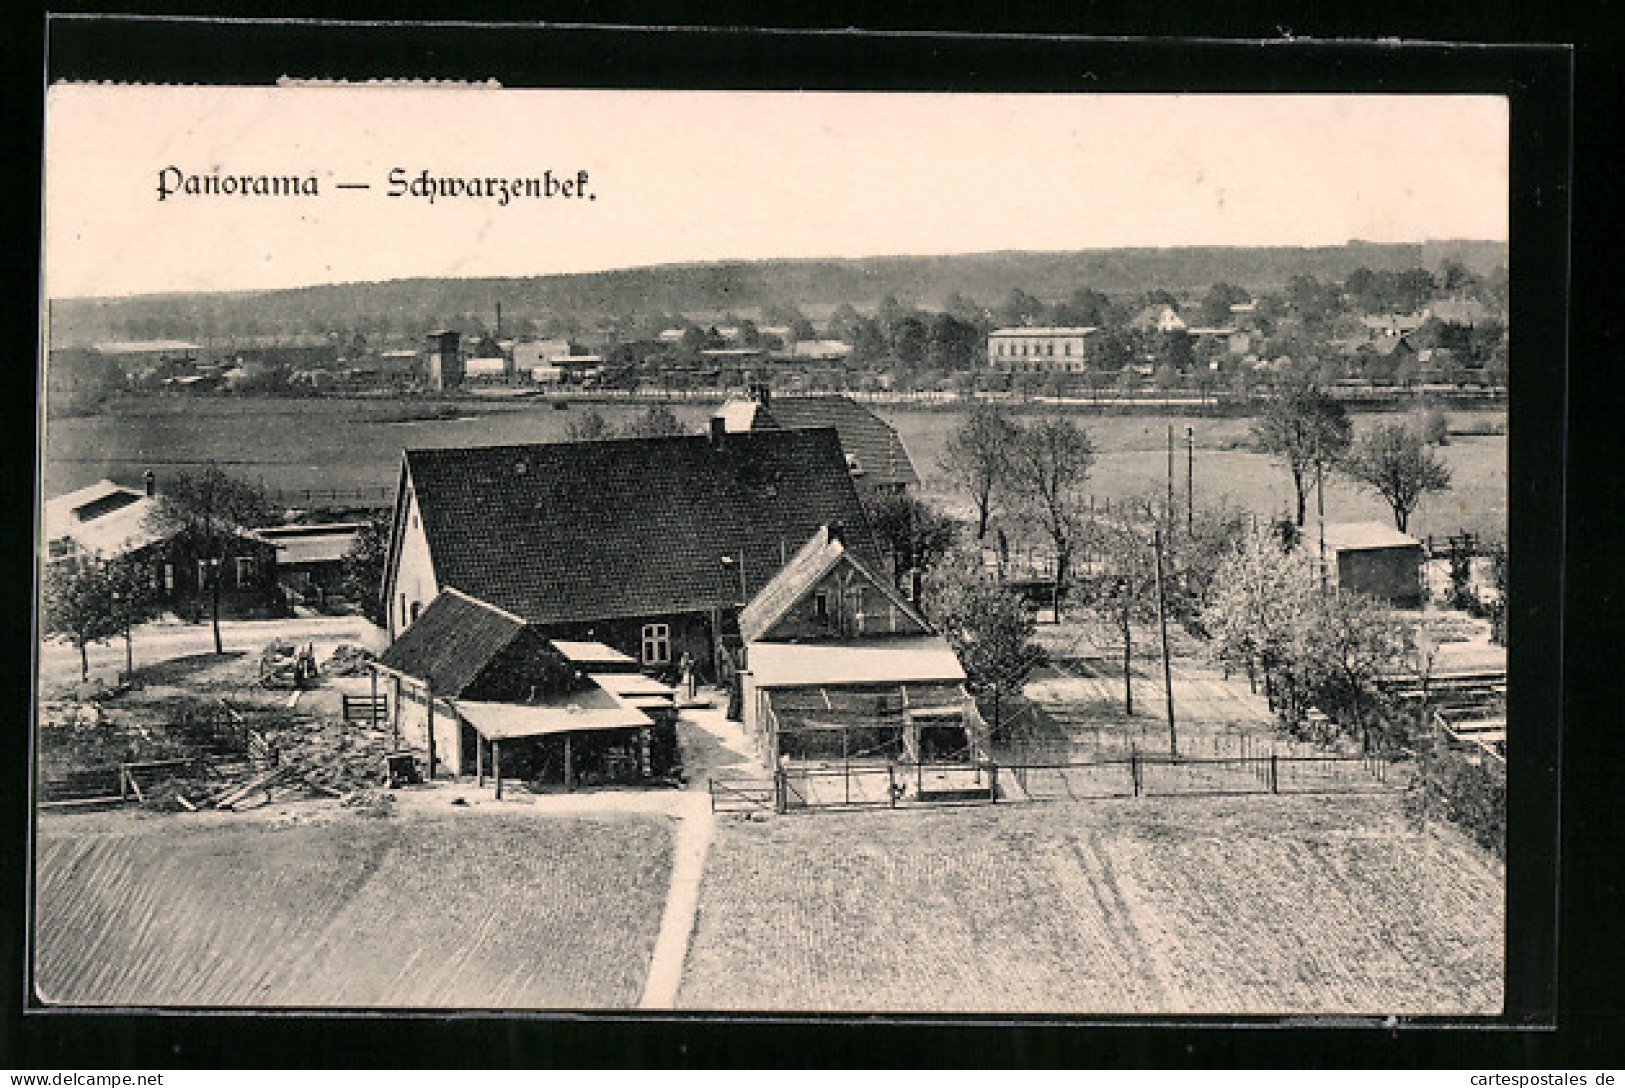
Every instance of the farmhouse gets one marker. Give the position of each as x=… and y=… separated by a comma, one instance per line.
x=110, y=521
x=1037, y=350
x=646, y=545
x=1377, y=560
x=876, y=457
x=479, y=689
x=839, y=666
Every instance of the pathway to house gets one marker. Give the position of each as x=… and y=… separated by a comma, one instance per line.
x=710, y=743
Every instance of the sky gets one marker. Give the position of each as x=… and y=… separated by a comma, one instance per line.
x=693, y=176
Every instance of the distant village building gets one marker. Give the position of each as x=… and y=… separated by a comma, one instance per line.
x=646, y=545
x=530, y=354
x=1039, y=350
x=445, y=360
x=137, y=353
x=1375, y=559
x=875, y=455
x=814, y=351
x=1390, y=326
x=485, y=360
x=1160, y=318
x=1234, y=341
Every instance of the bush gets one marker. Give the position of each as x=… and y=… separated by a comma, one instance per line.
x=1470, y=793
x=1435, y=427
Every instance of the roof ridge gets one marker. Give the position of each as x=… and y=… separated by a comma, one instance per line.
x=498, y=609
x=696, y=437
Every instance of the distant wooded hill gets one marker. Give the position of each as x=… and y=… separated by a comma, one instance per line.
x=404, y=309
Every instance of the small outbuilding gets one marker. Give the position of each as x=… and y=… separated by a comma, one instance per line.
x=1375, y=559
x=310, y=558
x=481, y=692
x=839, y=666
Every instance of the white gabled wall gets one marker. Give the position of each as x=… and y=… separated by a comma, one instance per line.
x=414, y=580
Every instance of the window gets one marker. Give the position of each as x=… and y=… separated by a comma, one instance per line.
x=202, y=573
x=417, y=610
x=656, y=644
x=404, y=620
x=821, y=606
x=245, y=569
x=169, y=577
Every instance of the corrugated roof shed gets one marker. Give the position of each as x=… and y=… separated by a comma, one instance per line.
x=861, y=661
x=574, y=531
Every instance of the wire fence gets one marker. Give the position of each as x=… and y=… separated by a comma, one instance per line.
x=896, y=784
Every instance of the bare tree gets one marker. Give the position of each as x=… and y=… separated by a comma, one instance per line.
x=977, y=458
x=1050, y=462
x=1123, y=589
x=1393, y=461
x=1307, y=430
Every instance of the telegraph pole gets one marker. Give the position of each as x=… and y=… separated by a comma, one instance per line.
x=1190, y=481
x=1167, y=673
x=1168, y=517
x=1320, y=503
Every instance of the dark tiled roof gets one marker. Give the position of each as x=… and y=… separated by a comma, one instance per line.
x=816, y=558
x=864, y=435
x=572, y=531
x=452, y=643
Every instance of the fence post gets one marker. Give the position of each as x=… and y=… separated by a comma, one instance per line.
x=891, y=783
x=1274, y=773
x=780, y=799
x=1134, y=769
x=993, y=781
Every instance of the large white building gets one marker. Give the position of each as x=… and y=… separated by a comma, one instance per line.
x=1039, y=350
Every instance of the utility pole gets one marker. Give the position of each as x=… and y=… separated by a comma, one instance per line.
x=1320, y=503
x=1167, y=673
x=1190, y=481
x=1168, y=512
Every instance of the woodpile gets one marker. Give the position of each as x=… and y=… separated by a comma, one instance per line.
x=348, y=659
x=333, y=756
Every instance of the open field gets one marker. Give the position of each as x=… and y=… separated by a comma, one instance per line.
x=473, y=910
x=1269, y=905
x=356, y=443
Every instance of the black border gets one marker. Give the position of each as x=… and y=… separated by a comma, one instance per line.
x=1539, y=81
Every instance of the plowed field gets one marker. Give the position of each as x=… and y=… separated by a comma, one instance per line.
x=1266, y=905
x=470, y=911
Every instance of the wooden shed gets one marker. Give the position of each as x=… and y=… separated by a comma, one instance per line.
x=838, y=666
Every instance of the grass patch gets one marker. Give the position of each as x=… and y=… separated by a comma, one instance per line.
x=478, y=910
x=1178, y=905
